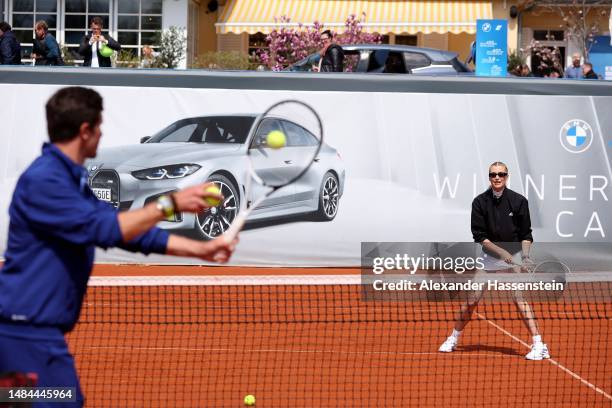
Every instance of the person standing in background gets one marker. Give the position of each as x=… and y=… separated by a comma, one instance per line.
x=10, y=48
x=574, y=71
x=92, y=43
x=587, y=71
x=332, y=55
x=148, y=58
x=46, y=50
x=472, y=57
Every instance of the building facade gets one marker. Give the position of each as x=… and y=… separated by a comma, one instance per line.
x=242, y=25
x=133, y=23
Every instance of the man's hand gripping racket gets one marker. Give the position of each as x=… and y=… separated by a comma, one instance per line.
x=283, y=144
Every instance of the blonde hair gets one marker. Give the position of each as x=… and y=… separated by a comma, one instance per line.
x=42, y=24
x=498, y=163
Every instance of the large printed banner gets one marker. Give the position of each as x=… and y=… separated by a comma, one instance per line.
x=406, y=166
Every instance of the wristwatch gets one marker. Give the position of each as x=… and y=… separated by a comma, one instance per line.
x=165, y=204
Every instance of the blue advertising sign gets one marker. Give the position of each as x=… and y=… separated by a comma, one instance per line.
x=492, y=47
x=601, y=56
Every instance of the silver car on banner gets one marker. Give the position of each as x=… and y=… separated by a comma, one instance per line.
x=213, y=148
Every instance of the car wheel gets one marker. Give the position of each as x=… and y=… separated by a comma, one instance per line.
x=214, y=221
x=329, y=198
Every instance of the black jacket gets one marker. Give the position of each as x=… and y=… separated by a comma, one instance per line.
x=591, y=75
x=333, y=59
x=501, y=220
x=85, y=50
x=10, y=49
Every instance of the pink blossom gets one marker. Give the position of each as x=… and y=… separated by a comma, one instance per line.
x=288, y=45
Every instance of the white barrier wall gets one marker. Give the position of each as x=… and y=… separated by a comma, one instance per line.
x=414, y=161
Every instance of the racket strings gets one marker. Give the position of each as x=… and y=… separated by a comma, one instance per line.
x=286, y=141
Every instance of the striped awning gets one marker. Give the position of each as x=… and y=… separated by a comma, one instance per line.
x=381, y=16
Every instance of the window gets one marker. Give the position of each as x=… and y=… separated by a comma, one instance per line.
x=222, y=132
x=265, y=127
x=25, y=14
x=78, y=14
x=229, y=129
x=298, y=136
x=133, y=23
x=139, y=23
x=377, y=60
x=351, y=60
x=548, y=35
x=182, y=133
x=395, y=63
x=386, y=61
x=547, y=59
x=257, y=41
x=550, y=54
x=406, y=40
x=416, y=60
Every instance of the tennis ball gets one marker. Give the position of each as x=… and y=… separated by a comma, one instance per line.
x=249, y=400
x=276, y=139
x=106, y=51
x=213, y=202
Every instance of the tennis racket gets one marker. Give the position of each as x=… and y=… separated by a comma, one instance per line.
x=284, y=142
x=549, y=267
x=549, y=271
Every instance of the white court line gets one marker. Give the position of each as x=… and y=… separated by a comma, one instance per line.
x=388, y=353
x=214, y=280
x=267, y=280
x=550, y=360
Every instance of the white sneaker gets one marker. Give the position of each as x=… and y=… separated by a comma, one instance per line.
x=449, y=345
x=539, y=351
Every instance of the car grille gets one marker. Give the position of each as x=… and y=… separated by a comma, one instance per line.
x=107, y=179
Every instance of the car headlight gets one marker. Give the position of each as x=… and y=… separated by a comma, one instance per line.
x=166, y=172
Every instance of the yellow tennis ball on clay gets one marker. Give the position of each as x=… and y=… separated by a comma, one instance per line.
x=276, y=139
x=213, y=202
x=249, y=400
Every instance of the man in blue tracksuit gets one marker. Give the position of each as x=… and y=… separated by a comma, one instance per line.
x=55, y=224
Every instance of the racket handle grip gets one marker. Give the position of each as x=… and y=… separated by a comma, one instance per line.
x=235, y=228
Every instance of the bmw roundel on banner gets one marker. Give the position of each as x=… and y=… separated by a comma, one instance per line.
x=576, y=136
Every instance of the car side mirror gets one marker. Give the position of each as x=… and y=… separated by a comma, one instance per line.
x=145, y=139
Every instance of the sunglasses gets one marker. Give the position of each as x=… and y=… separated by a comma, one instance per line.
x=500, y=175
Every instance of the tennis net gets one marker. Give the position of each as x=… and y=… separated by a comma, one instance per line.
x=316, y=341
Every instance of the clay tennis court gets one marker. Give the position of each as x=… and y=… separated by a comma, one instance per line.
x=289, y=343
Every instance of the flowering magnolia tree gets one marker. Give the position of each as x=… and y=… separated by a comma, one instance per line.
x=547, y=58
x=288, y=45
x=580, y=19
x=581, y=22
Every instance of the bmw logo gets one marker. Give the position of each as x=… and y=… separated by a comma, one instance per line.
x=486, y=27
x=576, y=136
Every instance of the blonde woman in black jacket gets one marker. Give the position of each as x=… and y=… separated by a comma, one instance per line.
x=501, y=224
